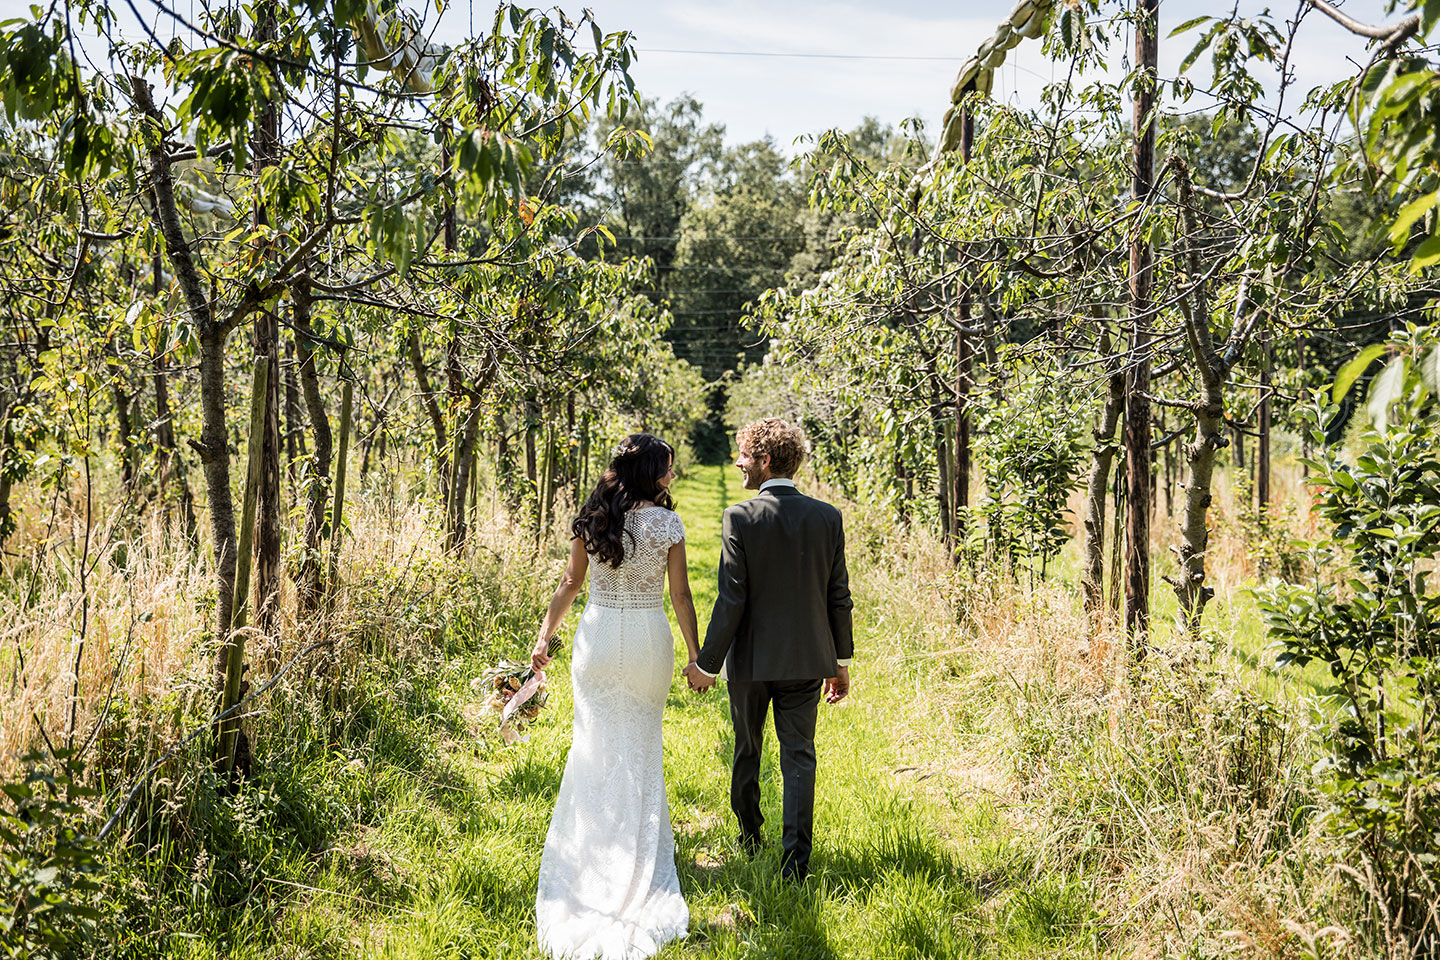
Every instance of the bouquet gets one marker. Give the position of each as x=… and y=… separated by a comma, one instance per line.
x=517, y=692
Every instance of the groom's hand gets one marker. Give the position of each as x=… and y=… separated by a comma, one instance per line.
x=838, y=686
x=697, y=679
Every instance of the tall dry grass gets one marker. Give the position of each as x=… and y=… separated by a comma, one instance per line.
x=91, y=614
x=107, y=641
x=1174, y=786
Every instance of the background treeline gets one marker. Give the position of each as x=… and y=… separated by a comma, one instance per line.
x=315, y=333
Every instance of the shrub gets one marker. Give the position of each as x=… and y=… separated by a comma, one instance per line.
x=1374, y=621
x=45, y=859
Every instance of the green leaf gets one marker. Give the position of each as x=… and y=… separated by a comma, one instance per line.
x=1386, y=390
x=1193, y=21
x=1429, y=16
x=1412, y=211
x=1426, y=255
x=1429, y=369
x=1201, y=46
x=1351, y=372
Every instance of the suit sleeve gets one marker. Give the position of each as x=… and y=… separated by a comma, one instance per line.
x=730, y=601
x=839, y=602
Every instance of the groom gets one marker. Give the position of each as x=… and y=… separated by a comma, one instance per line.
x=781, y=626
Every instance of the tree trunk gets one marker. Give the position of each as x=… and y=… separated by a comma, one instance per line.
x=572, y=465
x=1117, y=549
x=432, y=409
x=964, y=356
x=964, y=360
x=294, y=430
x=504, y=469
x=1210, y=369
x=1169, y=476
x=938, y=421
x=228, y=751
x=7, y=450
x=126, y=427
x=270, y=507
x=532, y=421
x=1096, y=486
x=460, y=474
x=1137, y=407
x=171, y=468
x=211, y=336
x=474, y=479
x=1190, y=585
x=584, y=481
x=310, y=576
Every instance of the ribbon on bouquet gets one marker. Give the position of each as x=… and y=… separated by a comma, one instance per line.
x=524, y=695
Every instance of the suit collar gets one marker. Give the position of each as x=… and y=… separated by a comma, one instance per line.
x=783, y=491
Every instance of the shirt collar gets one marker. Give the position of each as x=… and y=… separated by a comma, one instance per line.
x=776, y=482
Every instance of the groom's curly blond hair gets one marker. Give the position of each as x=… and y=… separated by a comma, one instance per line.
x=785, y=444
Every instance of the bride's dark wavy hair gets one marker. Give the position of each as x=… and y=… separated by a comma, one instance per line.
x=632, y=477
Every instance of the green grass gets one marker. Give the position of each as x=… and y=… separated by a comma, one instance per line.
x=443, y=862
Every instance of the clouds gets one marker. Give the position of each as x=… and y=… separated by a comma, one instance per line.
x=792, y=95
x=811, y=89
x=788, y=96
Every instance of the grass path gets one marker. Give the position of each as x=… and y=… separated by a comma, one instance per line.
x=900, y=868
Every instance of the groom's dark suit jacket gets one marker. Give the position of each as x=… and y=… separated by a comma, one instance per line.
x=783, y=612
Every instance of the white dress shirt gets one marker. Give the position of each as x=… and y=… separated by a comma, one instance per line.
x=772, y=482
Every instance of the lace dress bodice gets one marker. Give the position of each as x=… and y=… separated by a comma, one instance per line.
x=639, y=581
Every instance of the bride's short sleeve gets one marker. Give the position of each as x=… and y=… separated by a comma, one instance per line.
x=677, y=529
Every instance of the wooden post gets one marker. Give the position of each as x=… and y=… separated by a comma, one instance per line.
x=1137, y=404
x=1117, y=547
x=1262, y=443
x=347, y=397
x=964, y=359
x=547, y=477
x=234, y=648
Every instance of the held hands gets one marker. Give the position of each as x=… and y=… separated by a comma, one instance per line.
x=696, y=679
x=838, y=686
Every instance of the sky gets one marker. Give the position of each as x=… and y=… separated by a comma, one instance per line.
x=784, y=68
x=785, y=96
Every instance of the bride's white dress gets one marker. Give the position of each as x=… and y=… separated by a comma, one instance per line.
x=608, y=887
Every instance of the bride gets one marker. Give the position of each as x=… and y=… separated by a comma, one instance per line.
x=608, y=887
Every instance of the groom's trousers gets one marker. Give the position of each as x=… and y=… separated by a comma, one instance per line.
x=795, y=703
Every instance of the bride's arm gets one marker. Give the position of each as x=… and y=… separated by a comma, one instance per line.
x=681, y=599
x=570, y=583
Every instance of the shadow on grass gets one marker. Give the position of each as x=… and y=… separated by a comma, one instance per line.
x=771, y=915
x=527, y=777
